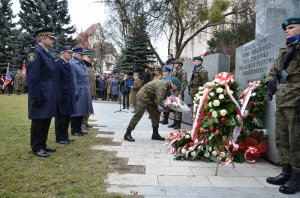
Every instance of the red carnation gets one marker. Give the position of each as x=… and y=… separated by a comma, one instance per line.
x=208, y=113
x=211, y=128
x=250, y=104
x=223, y=120
x=201, y=137
x=206, y=142
x=251, y=116
x=217, y=132
x=203, y=131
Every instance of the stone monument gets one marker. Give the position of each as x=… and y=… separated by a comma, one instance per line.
x=254, y=59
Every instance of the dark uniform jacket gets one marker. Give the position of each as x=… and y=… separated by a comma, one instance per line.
x=67, y=102
x=42, y=81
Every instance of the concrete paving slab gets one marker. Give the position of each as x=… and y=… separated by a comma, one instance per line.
x=223, y=171
x=105, y=136
x=149, y=162
x=262, y=180
x=133, y=179
x=259, y=172
x=163, y=170
x=135, y=154
x=192, y=163
x=137, y=190
x=167, y=180
x=220, y=181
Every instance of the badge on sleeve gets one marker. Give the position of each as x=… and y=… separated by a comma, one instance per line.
x=31, y=57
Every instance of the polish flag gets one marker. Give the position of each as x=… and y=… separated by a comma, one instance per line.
x=24, y=70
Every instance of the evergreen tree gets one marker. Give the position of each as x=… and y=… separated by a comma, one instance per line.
x=136, y=53
x=8, y=35
x=37, y=14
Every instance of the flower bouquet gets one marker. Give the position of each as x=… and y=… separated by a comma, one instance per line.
x=176, y=104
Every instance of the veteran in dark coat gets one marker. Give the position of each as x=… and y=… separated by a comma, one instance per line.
x=42, y=91
x=148, y=98
x=68, y=93
x=84, y=102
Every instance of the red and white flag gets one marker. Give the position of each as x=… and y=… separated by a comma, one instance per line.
x=24, y=70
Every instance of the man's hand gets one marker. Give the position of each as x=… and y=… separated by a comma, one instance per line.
x=36, y=103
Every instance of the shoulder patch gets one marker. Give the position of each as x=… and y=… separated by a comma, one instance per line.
x=31, y=56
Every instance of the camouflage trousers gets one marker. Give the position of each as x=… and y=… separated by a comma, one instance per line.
x=288, y=136
x=139, y=112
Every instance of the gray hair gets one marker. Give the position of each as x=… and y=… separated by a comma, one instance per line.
x=40, y=38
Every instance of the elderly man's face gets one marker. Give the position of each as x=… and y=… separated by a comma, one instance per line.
x=292, y=30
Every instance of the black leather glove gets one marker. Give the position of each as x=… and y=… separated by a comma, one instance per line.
x=272, y=88
x=36, y=103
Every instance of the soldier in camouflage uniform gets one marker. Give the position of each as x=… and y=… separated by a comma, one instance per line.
x=156, y=72
x=182, y=76
x=148, y=98
x=199, y=77
x=285, y=77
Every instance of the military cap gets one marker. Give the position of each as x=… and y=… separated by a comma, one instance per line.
x=166, y=69
x=290, y=21
x=87, y=53
x=156, y=68
x=66, y=48
x=177, y=61
x=175, y=81
x=198, y=58
x=78, y=50
x=45, y=32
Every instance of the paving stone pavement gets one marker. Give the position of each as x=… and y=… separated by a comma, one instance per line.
x=165, y=177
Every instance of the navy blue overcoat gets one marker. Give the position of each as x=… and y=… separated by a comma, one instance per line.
x=42, y=81
x=67, y=101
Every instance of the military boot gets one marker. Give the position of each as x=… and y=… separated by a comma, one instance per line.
x=165, y=120
x=178, y=125
x=282, y=177
x=173, y=125
x=292, y=185
x=128, y=136
x=155, y=135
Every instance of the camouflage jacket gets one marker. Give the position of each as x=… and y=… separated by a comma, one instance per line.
x=288, y=93
x=199, y=77
x=182, y=76
x=154, y=92
x=137, y=85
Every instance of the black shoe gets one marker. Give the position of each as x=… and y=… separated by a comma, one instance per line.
x=64, y=142
x=128, y=136
x=282, y=177
x=292, y=185
x=49, y=149
x=173, y=125
x=127, y=107
x=41, y=153
x=77, y=134
x=164, y=122
x=178, y=125
x=123, y=108
x=156, y=136
x=83, y=132
x=89, y=126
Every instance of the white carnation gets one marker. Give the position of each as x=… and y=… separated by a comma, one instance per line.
x=230, y=92
x=219, y=158
x=210, y=104
x=210, y=149
x=221, y=96
x=194, y=153
x=187, y=136
x=214, y=153
x=214, y=114
x=216, y=103
x=223, y=112
x=212, y=94
x=253, y=94
x=183, y=150
x=201, y=88
x=220, y=90
x=200, y=147
x=206, y=154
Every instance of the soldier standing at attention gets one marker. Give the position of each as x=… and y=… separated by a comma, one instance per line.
x=68, y=95
x=182, y=76
x=42, y=91
x=199, y=77
x=149, y=96
x=18, y=82
x=284, y=77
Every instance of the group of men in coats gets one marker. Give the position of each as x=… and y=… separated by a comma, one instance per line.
x=57, y=89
